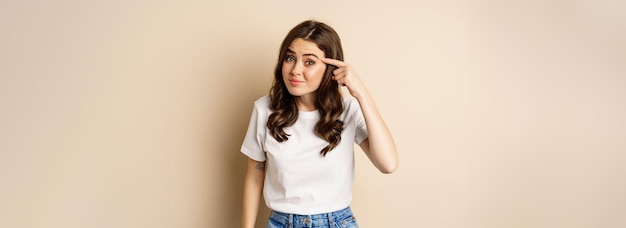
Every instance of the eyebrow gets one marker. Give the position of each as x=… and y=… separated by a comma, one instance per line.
x=305, y=54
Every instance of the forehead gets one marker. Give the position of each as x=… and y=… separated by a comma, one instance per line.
x=302, y=46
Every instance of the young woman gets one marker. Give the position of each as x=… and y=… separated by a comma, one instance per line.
x=300, y=140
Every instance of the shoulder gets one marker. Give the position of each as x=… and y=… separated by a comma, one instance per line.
x=263, y=105
x=263, y=101
x=350, y=104
x=351, y=107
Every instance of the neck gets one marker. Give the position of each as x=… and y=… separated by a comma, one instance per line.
x=306, y=103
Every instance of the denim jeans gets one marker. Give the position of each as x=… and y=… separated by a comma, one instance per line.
x=337, y=219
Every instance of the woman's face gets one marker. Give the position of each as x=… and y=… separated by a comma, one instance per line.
x=303, y=68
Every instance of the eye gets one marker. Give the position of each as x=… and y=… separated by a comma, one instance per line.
x=290, y=58
x=309, y=62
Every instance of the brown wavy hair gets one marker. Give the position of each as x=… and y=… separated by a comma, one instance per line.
x=329, y=100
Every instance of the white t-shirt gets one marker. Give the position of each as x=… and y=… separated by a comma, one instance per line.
x=298, y=178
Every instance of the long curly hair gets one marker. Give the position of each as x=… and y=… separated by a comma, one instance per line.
x=329, y=100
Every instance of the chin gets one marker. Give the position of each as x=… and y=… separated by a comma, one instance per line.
x=299, y=91
x=295, y=92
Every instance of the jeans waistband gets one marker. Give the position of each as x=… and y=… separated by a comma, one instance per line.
x=315, y=220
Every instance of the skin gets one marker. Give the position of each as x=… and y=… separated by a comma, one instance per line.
x=252, y=190
x=303, y=70
x=379, y=147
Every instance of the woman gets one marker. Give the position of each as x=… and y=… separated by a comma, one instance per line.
x=306, y=132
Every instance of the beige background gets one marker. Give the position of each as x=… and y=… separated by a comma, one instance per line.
x=131, y=113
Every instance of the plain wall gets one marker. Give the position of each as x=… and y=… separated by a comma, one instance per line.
x=131, y=113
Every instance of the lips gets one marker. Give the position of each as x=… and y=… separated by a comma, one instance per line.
x=295, y=82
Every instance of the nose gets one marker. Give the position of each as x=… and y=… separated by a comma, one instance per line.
x=296, y=68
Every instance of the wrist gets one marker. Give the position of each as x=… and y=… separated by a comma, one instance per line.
x=361, y=96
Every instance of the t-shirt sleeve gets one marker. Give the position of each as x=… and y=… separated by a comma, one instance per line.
x=253, y=142
x=361, y=127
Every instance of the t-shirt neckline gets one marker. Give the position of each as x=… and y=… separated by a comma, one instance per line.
x=309, y=114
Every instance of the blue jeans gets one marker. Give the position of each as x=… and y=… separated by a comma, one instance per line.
x=337, y=219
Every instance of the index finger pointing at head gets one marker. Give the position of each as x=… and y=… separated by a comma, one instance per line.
x=334, y=62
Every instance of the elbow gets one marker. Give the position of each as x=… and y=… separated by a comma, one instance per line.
x=389, y=168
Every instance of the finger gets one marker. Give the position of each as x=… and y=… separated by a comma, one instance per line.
x=340, y=81
x=338, y=76
x=338, y=71
x=334, y=62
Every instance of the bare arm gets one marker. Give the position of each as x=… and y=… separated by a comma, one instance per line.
x=252, y=189
x=379, y=147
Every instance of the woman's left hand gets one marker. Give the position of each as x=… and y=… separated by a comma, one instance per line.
x=379, y=145
x=346, y=76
